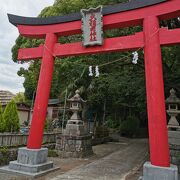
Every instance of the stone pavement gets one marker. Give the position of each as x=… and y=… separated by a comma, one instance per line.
x=112, y=161
x=112, y=167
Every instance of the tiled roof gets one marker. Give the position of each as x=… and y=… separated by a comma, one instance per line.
x=54, y=101
x=5, y=97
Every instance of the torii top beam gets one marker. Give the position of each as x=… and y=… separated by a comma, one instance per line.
x=16, y=20
x=116, y=16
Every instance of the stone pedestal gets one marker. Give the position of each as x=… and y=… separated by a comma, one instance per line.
x=174, y=145
x=151, y=172
x=30, y=162
x=74, y=128
x=74, y=146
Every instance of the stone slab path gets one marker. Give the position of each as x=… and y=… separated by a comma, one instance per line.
x=111, y=167
x=112, y=161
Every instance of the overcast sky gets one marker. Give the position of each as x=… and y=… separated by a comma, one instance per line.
x=9, y=80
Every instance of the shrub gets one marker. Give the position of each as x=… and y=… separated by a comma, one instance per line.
x=101, y=131
x=129, y=126
x=47, y=125
x=111, y=123
x=52, y=153
x=11, y=119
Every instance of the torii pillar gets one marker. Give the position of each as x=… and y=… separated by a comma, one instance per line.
x=32, y=160
x=159, y=167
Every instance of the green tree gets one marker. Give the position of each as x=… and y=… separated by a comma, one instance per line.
x=11, y=119
x=60, y=7
x=19, y=98
x=1, y=119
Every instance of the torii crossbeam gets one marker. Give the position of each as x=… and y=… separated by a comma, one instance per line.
x=146, y=13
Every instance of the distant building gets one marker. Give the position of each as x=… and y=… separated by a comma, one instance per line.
x=53, y=108
x=23, y=113
x=22, y=108
x=5, y=97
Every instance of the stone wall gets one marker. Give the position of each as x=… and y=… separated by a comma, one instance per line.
x=174, y=145
x=14, y=140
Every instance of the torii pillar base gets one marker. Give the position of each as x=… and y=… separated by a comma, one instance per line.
x=30, y=162
x=151, y=172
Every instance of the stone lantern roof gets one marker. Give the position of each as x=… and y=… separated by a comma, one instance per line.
x=76, y=98
x=172, y=99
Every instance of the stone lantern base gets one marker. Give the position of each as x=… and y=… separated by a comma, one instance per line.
x=74, y=128
x=174, y=145
x=74, y=146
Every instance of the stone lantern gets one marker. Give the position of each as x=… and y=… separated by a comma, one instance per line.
x=173, y=101
x=75, y=126
x=74, y=141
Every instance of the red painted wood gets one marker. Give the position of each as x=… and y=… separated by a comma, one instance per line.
x=110, y=45
x=73, y=49
x=164, y=10
x=158, y=136
x=63, y=29
x=30, y=53
x=167, y=37
x=42, y=95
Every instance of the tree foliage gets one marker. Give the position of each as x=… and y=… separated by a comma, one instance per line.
x=19, y=98
x=11, y=119
x=121, y=84
x=1, y=119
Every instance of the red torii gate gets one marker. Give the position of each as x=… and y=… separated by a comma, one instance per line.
x=146, y=13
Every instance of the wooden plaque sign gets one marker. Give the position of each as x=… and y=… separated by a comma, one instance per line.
x=92, y=26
